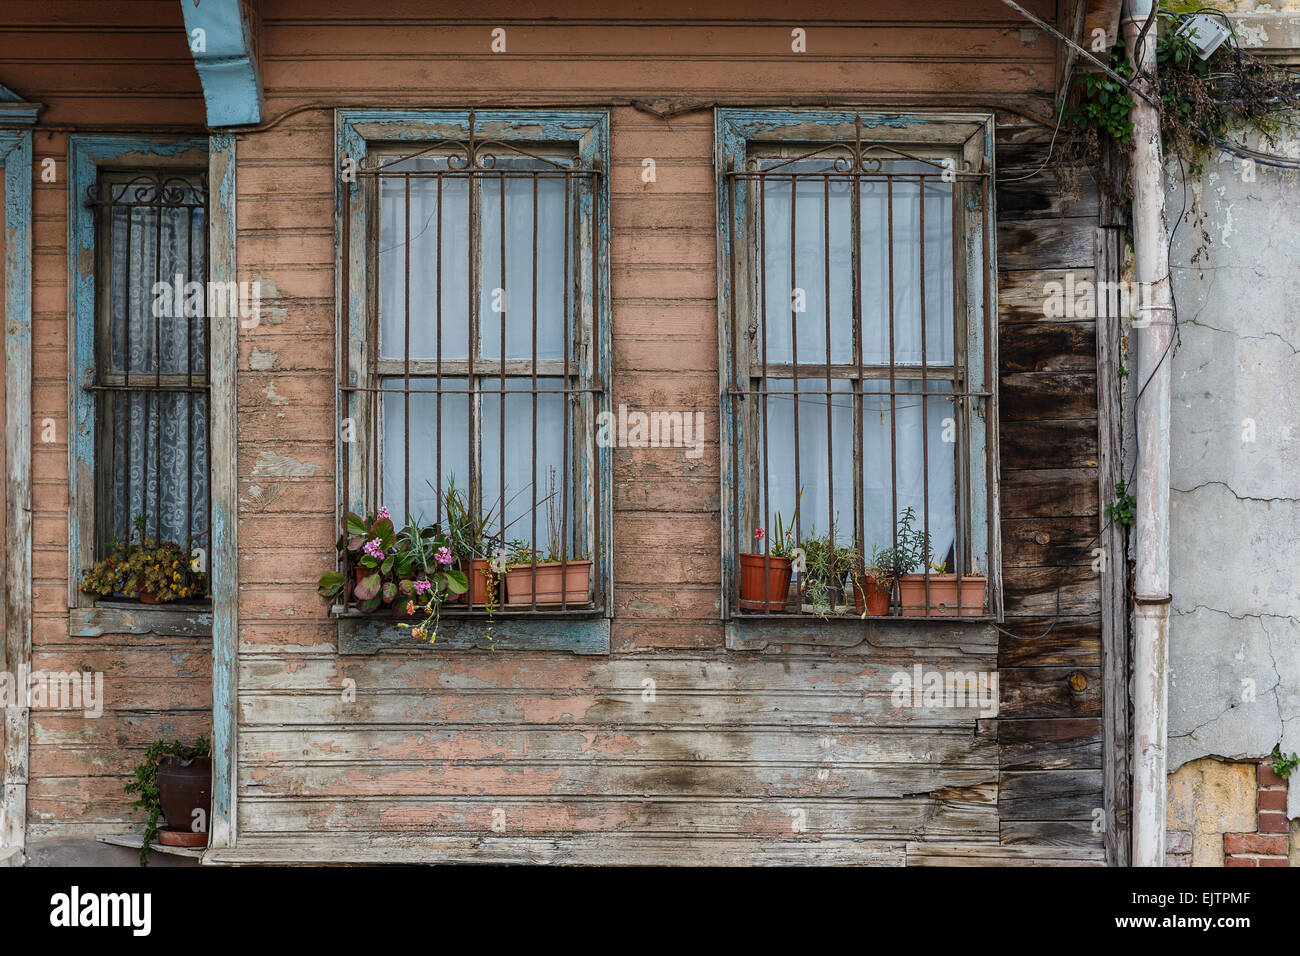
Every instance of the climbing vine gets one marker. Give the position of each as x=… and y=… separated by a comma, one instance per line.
x=1202, y=102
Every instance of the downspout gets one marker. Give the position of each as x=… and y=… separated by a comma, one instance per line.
x=1153, y=327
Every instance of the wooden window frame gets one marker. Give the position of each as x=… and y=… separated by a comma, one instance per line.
x=87, y=156
x=741, y=134
x=364, y=137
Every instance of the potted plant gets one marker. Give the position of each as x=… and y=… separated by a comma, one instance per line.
x=150, y=570
x=471, y=547
x=765, y=578
x=826, y=568
x=943, y=601
x=174, y=781
x=873, y=582
x=368, y=549
x=409, y=569
x=545, y=578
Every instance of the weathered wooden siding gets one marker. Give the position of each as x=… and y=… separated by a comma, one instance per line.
x=734, y=746
x=94, y=65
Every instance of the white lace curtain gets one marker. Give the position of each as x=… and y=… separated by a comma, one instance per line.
x=158, y=455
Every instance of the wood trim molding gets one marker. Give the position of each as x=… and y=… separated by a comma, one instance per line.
x=16, y=610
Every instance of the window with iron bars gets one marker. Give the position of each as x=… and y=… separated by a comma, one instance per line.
x=472, y=376
x=859, y=407
x=150, y=385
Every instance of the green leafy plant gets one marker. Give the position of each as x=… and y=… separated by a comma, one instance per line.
x=912, y=545
x=783, y=542
x=143, y=566
x=1122, y=508
x=1105, y=103
x=146, y=783
x=826, y=566
x=1283, y=765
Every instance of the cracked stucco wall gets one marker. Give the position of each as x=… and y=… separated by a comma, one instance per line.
x=1234, y=647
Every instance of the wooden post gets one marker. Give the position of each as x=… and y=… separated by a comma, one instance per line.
x=16, y=638
x=224, y=559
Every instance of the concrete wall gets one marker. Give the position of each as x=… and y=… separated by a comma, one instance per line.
x=1235, y=462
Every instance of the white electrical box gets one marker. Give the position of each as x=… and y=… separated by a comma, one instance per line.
x=1205, y=33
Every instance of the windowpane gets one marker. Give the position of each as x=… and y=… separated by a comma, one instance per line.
x=822, y=460
x=906, y=248
x=795, y=290
x=432, y=223
x=913, y=455
x=548, y=455
x=439, y=444
x=513, y=292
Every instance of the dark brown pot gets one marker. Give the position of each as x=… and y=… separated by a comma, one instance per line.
x=183, y=787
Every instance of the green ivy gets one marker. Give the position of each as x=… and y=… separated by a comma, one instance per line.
x=1106, y=102
x=146, y=783
x=1121, y=509
x=1283, y=765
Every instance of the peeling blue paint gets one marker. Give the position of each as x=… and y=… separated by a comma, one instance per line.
x=227, y=68
x=16, y=167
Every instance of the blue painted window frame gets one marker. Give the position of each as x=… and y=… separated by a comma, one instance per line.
x=357, y=134
x=86, y=156
x=971, y=137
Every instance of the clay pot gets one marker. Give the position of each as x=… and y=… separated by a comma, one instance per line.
x=943, y=595
x=183, y=787
x=870, y=597
x=479, y=572
x=556, y=582
x=755, y=594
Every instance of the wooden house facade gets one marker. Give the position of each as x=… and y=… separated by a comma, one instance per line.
x=657, y=721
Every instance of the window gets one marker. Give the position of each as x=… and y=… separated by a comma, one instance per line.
x=151, y=357
x=474, y=363
x=856, y=334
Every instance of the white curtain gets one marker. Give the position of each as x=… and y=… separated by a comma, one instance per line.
x=439, y=444
x=822, y=216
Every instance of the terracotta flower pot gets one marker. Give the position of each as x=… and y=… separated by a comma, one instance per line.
x=148, y=597
x=755, y=595
x=479, y=573
x=870, y=597
x=556, y=582
x=183, y=787
x=943, y=595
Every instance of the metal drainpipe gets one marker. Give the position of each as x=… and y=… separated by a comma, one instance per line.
x=1154, y=331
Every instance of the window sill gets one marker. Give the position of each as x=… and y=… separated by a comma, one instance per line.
x=579, y=632
x=133, y=617
x=772, y=632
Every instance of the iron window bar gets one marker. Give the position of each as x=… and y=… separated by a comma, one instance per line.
x=853, y=164
x=170, y=195
x=476, y=165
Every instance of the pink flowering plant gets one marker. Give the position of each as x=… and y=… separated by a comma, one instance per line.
x=411, y=568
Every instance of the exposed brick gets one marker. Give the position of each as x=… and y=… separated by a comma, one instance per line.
x=1239, y=861
x=1262, y=843
x=1272, y=822
x=1267, y=778
x=1178, y=841
x=1273, y=861
x=1272, y=799
x=1178, y=859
